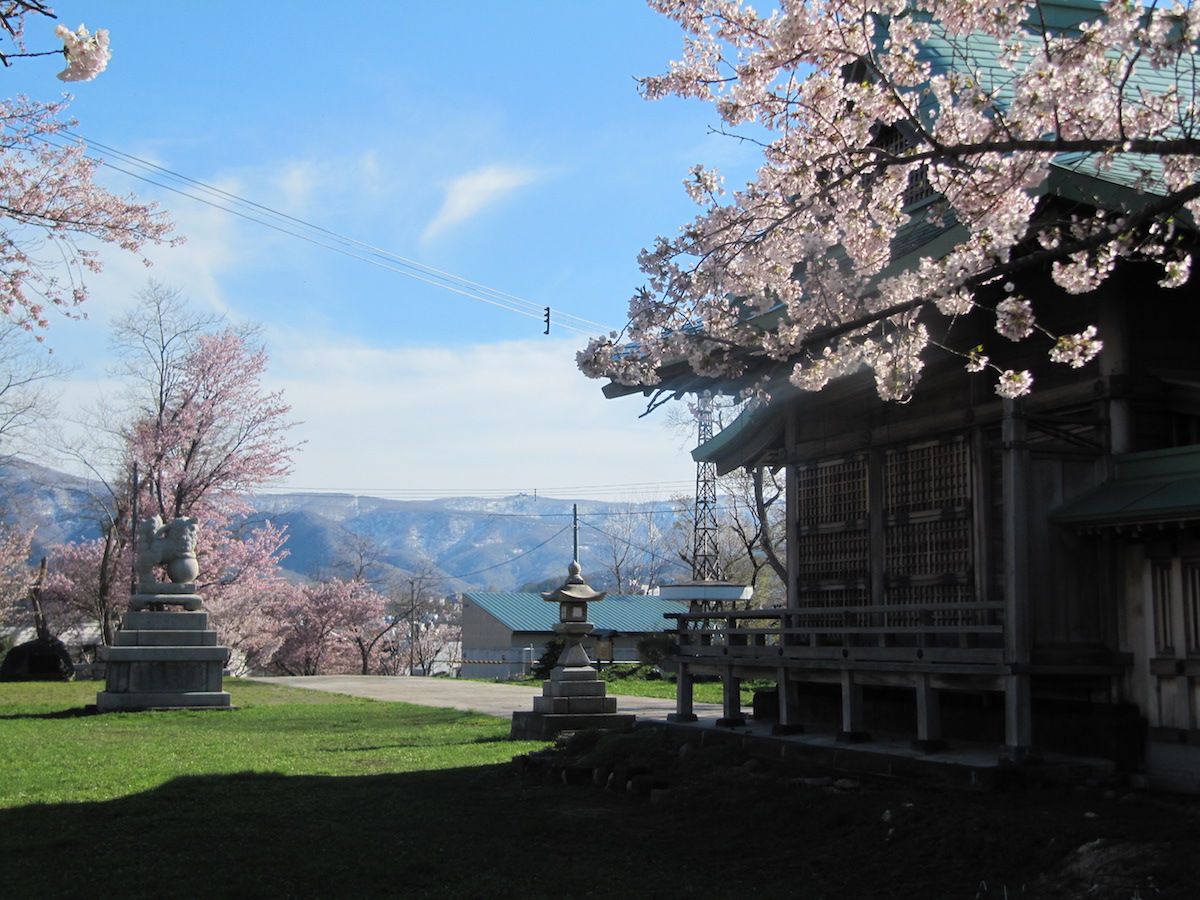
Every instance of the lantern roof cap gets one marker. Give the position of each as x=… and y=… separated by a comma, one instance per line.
x=574, y=589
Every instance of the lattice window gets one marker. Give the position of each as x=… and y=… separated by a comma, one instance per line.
x=936, y=547
x=927, y=476
x=1191, y=606
x=833, y=546
x=925, y=557
x=832, y=492
x=928, y=528
x=833, y=556
x=1160, y=594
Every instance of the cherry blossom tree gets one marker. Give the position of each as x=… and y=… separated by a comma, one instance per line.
x=218, y=435
x=623, y=545
x=87, y=54
x=881, y=118
x=51, y=208
x=15, y=574
x=241, y=582
x=367, y=624
x=432, y=645
x=324, y=619
x=87, y=581
x=196, y=433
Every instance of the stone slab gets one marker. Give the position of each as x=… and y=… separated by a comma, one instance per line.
x=166, y=654
x=107, y=701
x=161, y=588
x=167, y=676
x=575, y=705
x=163, y=620
x=574, y=688
x=533, y=726
x=166, y=639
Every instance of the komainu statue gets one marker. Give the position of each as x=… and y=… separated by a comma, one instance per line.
x=172, y=546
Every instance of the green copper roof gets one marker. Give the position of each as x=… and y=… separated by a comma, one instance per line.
x=626, y=613
x=1147, y=488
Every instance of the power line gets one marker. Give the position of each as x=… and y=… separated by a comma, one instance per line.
x=293, y=226
x=646, y=550
x=509, y=562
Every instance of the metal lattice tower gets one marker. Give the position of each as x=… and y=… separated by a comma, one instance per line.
x=705, y=563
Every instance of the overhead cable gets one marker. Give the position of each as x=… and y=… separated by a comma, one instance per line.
x=293, y=226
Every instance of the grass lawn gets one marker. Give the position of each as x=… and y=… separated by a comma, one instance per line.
x=292, y=794
x=702, y=692
x=304, y=794
x=52, y=752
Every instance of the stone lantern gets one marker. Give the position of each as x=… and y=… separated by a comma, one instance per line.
x=574, y=697
x=573, y=598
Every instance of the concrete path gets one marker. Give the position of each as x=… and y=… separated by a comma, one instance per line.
x=492, y=698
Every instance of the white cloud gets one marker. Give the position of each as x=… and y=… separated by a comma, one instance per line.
x=296, y=183
x=513, y=416
x=473, y=192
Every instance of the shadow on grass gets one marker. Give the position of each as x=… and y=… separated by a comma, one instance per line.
x=73, y=713
x=493, y=832
x=471, y=832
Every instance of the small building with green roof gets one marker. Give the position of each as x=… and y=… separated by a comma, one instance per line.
x=504, y=632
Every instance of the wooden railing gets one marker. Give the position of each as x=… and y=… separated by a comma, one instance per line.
x=929, y=634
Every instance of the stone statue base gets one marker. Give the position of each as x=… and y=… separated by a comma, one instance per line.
x=164, y=594
x=164, y=660
x=572, y=700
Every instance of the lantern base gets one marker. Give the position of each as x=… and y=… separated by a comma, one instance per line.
x=573, y=698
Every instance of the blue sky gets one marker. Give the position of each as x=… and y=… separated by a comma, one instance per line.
x=502, y=142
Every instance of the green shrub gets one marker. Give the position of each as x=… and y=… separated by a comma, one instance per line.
x=655, y=649
x=627, y=671
x=549, y=659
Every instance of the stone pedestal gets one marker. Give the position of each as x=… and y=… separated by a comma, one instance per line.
x=164, y=659
x=573, y=699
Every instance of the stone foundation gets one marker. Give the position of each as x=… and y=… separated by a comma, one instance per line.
x=573, y=699
x=164, y=660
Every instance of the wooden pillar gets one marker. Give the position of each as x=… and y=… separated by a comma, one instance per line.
x=929, y=717
x=732, y=701
x=789, y=713
x=853, y=730
x=1018, y=713
x=683, y=696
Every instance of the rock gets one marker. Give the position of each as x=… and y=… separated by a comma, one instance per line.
x=38, y=660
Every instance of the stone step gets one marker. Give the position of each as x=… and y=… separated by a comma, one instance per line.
x=165, y=654
x=155, y=620
x=145, y=638
x=574, y=705
x=108, y=701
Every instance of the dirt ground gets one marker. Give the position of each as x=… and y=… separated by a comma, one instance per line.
x=807, y=832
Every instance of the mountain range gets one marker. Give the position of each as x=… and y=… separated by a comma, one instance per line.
x=508, y=543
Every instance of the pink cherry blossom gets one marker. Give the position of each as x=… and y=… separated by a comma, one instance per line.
x=87, y=54
x=890, y=123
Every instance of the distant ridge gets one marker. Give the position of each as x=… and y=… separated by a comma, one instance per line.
x=498, y=543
